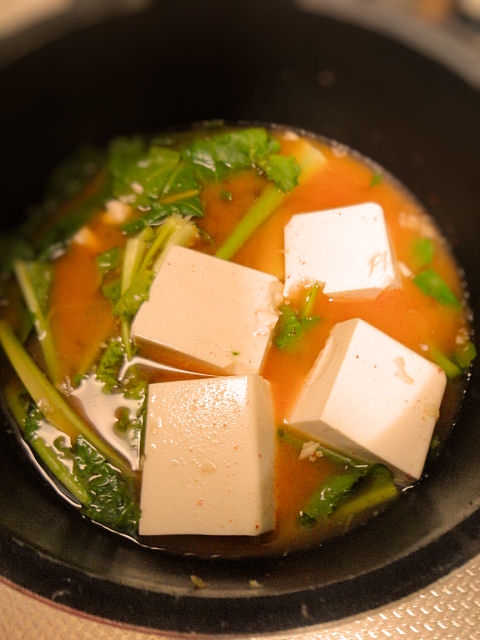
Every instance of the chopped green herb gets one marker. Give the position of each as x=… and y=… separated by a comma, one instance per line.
x=422, y=252
x=452, y=370
x=376, y=179
x=457, y=363
x=465, y=354
x=292, y=326
x=134, y=385
x=431, y=283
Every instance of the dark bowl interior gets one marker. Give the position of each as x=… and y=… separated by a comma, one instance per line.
x=185, y=61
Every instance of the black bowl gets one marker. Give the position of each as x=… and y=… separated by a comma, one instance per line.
x=183, y=61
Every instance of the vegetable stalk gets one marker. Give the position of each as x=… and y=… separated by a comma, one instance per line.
x=271, y=198
x=22, y=272
x=49, y=401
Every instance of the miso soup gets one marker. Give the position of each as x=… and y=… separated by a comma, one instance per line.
x=231, y=340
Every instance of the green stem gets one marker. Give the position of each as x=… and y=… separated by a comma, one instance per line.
x=144, y=255
x=451, y=369
x=309, y=302
x=135, y=249
x=309, y=158
x=45, y=453
x=42, y=326
x=270, y=199
x=59, y=470
x=49, y=401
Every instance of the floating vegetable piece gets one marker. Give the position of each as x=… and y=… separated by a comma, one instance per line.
x=422, y=252
x=34, y=280
x=431, y=283
x=308, y=159
x=326, y=498
x=292, y=326
x=50, y=402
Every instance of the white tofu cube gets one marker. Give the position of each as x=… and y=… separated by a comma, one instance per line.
x=372, y=397
x=209, y=458
x=208, y=314
x=347, y=249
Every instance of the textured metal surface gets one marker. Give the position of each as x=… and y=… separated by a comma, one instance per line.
x=447, y=609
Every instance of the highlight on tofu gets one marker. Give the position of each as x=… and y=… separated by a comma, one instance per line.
x=231, y=340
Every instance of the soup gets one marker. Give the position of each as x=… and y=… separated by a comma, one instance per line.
x=232, y=341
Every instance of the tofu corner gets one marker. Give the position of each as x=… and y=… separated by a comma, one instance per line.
x=394, y=393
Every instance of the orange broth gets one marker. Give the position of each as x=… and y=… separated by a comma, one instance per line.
x=82, y=319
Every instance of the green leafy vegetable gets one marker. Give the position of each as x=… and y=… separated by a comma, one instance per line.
x=422, y=252
x=431, y=283
x=292, y=326
x=458, y=362
x=161, y=181
x=376, y=179
x=108, y=260
x=111, y=496
x=374, y=489
x=153, y=179
x=338, y=488
x=230, y=152
x=357, y=486
x=50, y=402
x=110, y=364
x=52, y=457
x=452, y=370
x=327, y=497
x=143, y=256
x=106, y=495
x=465, y=354
x=34, y=279
x=283, y=171
x=271, y=198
